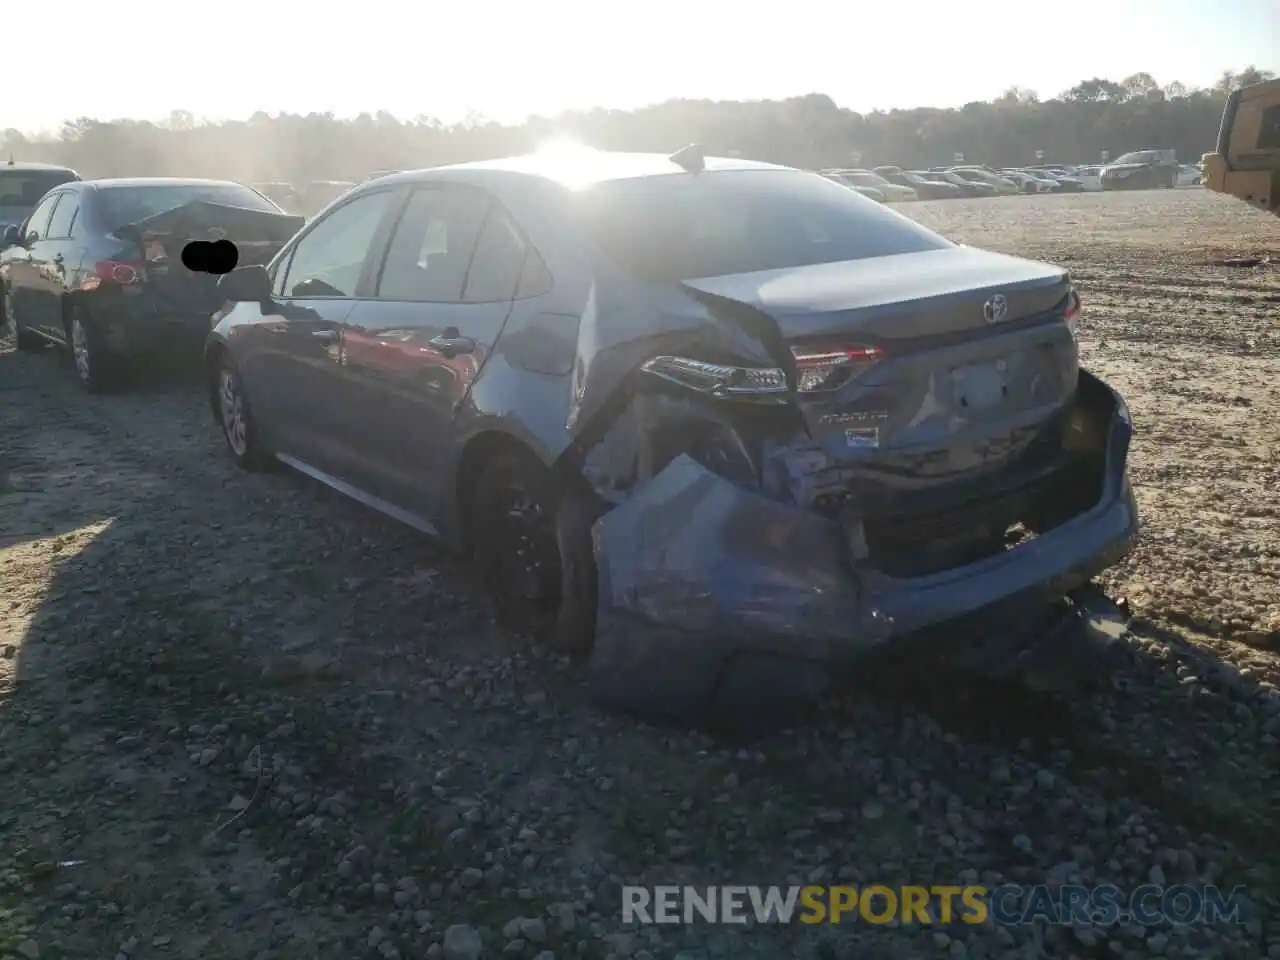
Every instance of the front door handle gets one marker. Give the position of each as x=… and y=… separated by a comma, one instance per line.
x=325, y=336
x=451, y=343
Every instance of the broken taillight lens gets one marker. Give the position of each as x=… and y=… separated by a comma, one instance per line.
x=721, y=380
x=819, y=369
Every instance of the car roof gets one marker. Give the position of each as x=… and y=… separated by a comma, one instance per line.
x=157, y=182
x=35, y=165
x=574, y=168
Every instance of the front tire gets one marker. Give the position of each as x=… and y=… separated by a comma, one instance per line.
x=530, y=543
x=22, y=339
x=235, y=416
x=96, y=367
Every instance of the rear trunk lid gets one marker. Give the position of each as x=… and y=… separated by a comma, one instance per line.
x=924, y=365
x=158, y=240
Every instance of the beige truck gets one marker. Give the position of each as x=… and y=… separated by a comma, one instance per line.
x=1247, y=161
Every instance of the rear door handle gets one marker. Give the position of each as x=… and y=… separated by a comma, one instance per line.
x=327, y=336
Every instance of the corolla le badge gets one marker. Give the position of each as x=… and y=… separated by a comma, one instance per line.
x=995, y=309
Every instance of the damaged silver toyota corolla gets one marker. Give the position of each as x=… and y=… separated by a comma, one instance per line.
x=722, y=428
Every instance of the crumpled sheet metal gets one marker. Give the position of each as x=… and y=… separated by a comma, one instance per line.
x=240, y=223
x=703, y=583
x=693, y=569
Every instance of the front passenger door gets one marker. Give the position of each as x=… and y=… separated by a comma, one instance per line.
x=292, y=365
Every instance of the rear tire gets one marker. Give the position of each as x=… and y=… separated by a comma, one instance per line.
x=235, y=416
x=21, y=338
x=529, y=537
x=97, y=368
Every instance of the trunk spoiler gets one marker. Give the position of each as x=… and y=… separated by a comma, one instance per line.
x=219, y=220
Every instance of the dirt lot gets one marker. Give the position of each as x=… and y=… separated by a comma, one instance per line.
x=242, y=718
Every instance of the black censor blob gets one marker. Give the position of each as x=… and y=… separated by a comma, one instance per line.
x=216, y=257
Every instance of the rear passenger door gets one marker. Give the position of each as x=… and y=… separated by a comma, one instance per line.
x=21, y=276
x=52, y=256
x=412, y=352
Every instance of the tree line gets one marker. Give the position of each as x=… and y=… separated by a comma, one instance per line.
x=1076, y=126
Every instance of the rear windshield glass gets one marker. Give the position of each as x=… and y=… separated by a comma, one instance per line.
x=121, y=205
x=1142, y=156
x=680, y=227
x=24, y=188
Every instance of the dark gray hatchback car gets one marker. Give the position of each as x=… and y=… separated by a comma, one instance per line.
x=722, y=428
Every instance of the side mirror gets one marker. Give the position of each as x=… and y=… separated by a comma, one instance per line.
x=246, y=285
x=12, y=236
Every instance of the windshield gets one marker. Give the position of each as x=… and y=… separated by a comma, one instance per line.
x=24, y=188
x=1141, y=156
x=675, y=227
x=121, y=205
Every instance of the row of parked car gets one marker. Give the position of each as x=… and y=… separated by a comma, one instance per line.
x=569, y=368
x=892, y=184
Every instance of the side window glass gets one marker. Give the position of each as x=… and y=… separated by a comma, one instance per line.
x=497, y=262
x=535, y=278
x=429, y=255
x=63, y=216
x=38, y=222
x=328, y=261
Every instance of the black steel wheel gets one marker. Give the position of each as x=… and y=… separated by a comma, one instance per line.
x=530, y=542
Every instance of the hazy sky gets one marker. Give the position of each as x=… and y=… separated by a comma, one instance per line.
x=509, y=58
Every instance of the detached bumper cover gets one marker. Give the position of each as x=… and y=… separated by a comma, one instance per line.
x=710, y=590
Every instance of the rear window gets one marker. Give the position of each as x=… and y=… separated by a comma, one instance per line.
x=680, y=227
x=24, y=188
x=120, y=205
x=1141, y=156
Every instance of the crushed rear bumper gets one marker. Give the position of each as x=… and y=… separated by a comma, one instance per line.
x=710, y=593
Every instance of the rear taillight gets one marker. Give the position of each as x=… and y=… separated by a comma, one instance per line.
x=830, y=368
x=1071, y=311
x=1073, y=305
x=121, y=272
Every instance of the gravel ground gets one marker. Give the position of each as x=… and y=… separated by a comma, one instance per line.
x=240, y=717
